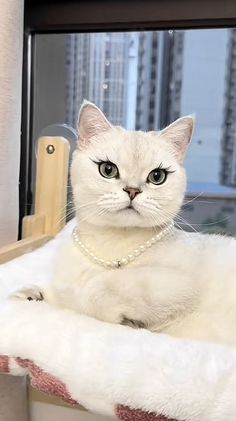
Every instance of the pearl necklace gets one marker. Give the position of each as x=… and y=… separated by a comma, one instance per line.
x=116, y=264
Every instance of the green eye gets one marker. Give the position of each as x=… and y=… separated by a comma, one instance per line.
x=157, y=176
x=108, y=170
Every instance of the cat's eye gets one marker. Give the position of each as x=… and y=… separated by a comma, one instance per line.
x=108, y=170
x=157, y=176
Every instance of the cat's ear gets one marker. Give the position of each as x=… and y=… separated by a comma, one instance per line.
x=91, y=122
x=179, y=134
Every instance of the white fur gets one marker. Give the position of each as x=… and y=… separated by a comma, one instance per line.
x=103, y=364
x=185, y=284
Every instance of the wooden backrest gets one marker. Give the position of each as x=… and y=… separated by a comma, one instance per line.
x=50, y=198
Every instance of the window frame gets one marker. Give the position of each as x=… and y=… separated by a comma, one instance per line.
x=61, y=16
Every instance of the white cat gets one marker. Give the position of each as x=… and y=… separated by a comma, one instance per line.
x=138, y=269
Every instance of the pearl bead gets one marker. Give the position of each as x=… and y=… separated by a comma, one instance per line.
x=108, y=263
x=125, y=260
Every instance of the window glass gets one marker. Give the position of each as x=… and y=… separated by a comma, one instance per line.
x=144, y=81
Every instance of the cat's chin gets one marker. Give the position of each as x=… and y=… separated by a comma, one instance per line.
x=127, y=218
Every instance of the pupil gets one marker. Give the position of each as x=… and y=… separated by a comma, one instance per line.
x=108, y=169
x=156, y=175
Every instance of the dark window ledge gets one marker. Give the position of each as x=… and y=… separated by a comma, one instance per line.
x=87, y=15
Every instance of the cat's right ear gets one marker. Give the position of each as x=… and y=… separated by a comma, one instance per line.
x=91, y=122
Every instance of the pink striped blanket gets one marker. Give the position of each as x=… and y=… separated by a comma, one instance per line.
x=49, y=384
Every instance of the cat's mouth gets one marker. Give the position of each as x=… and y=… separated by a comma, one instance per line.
x=130, y=208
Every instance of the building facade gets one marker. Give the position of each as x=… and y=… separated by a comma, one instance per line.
x=228, y=160
x=97, y=70
x=160, y=58
x=203, y=91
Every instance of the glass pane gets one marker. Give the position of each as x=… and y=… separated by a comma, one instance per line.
x=144, y=81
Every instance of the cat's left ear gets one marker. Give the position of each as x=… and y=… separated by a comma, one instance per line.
x=179, y=134
x=91, y=123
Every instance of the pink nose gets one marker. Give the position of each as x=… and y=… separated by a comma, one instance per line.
x=132, y=192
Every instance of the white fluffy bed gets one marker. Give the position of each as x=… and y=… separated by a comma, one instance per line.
x=109, y=369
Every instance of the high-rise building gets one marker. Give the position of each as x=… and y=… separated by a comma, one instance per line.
x=147, y=80
x=171, y=66
x=77, y=71
x=132, y=81
x=97, y=70
x=228, y=161
x=203, y=87
x=159, y=78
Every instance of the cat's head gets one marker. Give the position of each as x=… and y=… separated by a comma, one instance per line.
x=127, y=178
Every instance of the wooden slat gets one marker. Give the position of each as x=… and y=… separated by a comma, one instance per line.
x=14, y=250
x=51, y=182
x=33, y=225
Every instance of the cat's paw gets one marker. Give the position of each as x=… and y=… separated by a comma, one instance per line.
x=135, y=324
x=31, y=294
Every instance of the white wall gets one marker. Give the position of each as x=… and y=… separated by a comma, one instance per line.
x=11, y=44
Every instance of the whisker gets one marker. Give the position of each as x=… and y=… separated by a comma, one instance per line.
x=193, y=198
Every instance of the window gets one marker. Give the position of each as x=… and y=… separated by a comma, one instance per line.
x=144, y=80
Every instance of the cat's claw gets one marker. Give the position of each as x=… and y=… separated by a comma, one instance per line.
x=30, y=294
